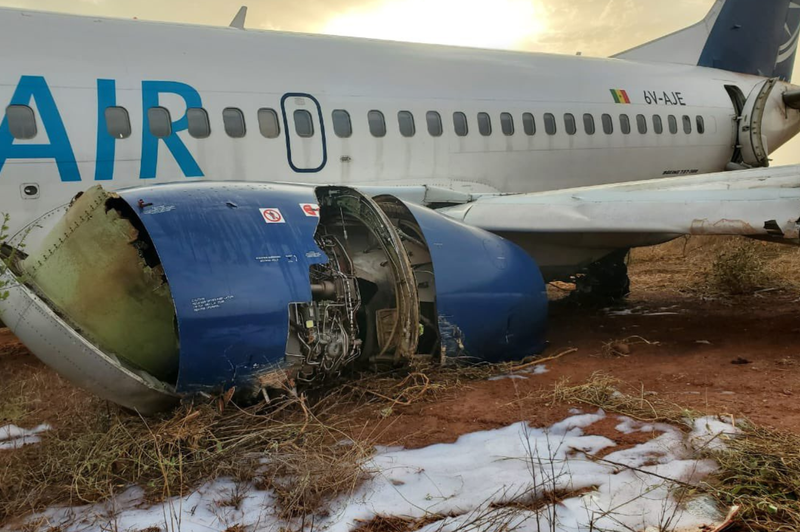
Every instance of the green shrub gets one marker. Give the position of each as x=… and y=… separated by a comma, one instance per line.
x=739, y=269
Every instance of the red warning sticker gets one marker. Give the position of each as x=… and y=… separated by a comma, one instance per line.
x=272, y=216
x=310, y=209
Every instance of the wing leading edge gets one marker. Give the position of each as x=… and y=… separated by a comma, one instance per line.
x=567, y=229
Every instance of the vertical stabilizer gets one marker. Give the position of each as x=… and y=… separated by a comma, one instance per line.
x=239, y=19
x=756, y=37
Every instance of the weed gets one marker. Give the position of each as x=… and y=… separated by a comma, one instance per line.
x=304, y=477
x=294, y=447
x=602, y=391
x=13, y=406
x=389, y=523
x=233, y=497
x=759, y=469
x=102, y=452
x=740, y=269
x=4, y=218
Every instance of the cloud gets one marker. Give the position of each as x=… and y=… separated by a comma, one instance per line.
x=495, y=24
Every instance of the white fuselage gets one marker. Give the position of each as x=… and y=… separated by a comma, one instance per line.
x=87, y=65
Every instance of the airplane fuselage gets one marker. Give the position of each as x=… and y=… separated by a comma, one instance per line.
x=269, y=106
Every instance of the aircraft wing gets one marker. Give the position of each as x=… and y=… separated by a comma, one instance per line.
x=762, y=202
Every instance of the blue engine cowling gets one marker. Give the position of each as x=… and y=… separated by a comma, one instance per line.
x=491, y=298
x=232, y=275
x=274, y=283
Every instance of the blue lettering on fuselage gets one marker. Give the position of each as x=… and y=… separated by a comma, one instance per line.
x=106, y=144
x=150, y=93
x=35, y=88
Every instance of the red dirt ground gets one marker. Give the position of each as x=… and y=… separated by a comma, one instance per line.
x=676, y=366
x=688, y=361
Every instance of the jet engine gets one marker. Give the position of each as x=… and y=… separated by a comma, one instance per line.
x=150, y=295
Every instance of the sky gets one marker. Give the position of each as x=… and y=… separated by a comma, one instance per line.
x=592, y=27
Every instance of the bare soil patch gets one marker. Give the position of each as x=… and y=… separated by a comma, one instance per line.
x=682, y=341
x=738, y=355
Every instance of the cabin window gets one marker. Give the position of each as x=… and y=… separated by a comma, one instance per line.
x=160, y=123
x=198, y=126
x=550, y=124
x=701, y=125
x=406, y=121
x=641, y=124
x=303, y=123
x=118, y=122
x=673, y=124
x=569, y=124
x=233, y=119
x=268, y=123
x=608, y=124
x=529, y=124
x=21, y=122
x=625, y=124
x=342, y=125
x=588, y=124
x=484, y=124
x=377, y=124
x=460, y=124
x=434, y=120
x=507, y=124
x=658, y=125
x=687, y=125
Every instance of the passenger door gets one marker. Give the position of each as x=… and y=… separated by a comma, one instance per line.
x=306, y=147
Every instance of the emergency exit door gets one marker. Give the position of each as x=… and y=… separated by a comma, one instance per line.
x=305, y=132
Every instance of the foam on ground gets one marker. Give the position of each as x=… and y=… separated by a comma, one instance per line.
x=481, y=482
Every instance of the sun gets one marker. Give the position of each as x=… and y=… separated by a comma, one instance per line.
x=504, y=24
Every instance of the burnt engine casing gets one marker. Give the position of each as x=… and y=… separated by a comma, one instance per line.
x=252, y=286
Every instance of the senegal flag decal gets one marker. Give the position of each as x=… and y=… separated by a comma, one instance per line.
x=620, y=96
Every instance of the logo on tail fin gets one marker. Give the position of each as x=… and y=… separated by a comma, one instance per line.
x=758, y=37
x=788, y=49
x=755, y=37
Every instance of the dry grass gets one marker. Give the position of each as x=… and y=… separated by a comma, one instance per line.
x=739, y=270
x=602, y=391
x=14, y=403
x=383, y=523
x=305, y=475
x=688, y=264
x=96, y=451
x=102, y=452
x=759, y=469
x=3, y=237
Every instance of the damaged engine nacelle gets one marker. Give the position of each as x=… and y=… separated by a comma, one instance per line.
x=158, y=293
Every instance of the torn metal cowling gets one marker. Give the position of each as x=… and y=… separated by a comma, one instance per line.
x=164, y=292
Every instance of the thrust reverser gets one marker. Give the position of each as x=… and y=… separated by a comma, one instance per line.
x=154, y=294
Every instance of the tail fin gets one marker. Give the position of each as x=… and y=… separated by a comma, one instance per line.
x=757, y=37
